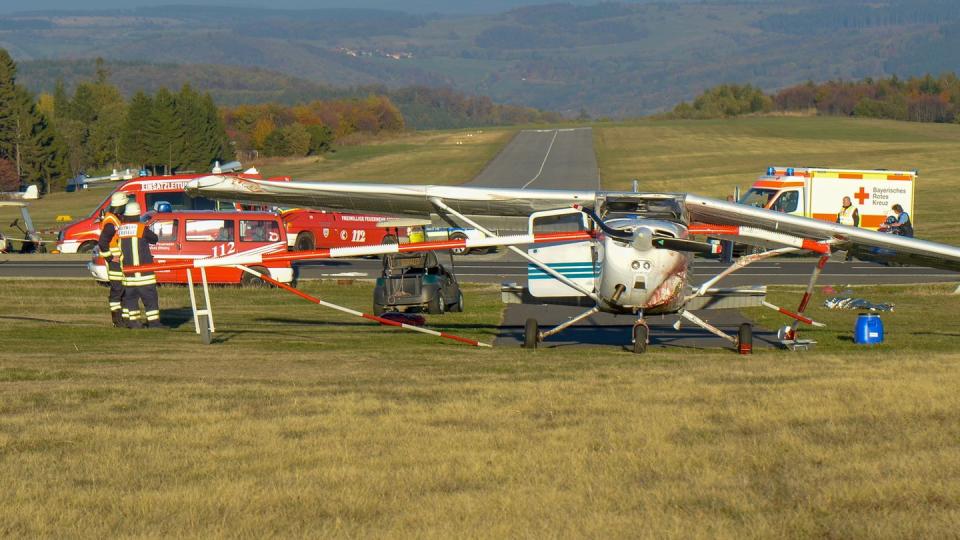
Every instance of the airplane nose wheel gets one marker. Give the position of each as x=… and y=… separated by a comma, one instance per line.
x=531, y=334
x=641, y=336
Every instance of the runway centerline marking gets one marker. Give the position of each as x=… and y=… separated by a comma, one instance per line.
x=545, y=157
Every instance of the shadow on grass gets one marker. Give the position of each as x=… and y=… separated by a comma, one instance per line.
x=176, y=317
x=434, y=326
x=31, y=319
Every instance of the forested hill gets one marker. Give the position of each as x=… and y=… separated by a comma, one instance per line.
x=616, y=59
x=422, y=107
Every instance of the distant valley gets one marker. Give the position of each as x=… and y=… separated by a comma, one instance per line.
x=609, y=59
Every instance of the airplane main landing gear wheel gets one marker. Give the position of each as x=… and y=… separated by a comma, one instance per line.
x=531, y=334
x=745, y=339
x=641, y=335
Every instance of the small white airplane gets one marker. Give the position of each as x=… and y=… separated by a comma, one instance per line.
x=634, y=257
x=31, y=193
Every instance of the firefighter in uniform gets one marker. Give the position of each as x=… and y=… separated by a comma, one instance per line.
x=135, y=240
x=848, y=215
x=109, y=244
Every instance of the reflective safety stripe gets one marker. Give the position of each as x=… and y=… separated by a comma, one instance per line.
x=138, y=281
x=153, y=315
x=115, y=276
x=134, y=314
x=114, y=306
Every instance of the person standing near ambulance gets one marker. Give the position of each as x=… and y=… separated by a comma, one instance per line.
x=109, y=244
x=135, y=240
x=848, y=215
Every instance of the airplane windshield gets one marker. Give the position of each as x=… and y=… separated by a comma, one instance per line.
x=758, y=197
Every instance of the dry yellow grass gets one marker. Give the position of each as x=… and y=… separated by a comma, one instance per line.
x=304, y=423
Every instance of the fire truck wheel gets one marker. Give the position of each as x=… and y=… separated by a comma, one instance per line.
x=459, y=250
x=304, y=242
x=86, y=247
x=250, y=280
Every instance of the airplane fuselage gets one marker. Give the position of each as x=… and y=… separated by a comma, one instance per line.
x=636, y=276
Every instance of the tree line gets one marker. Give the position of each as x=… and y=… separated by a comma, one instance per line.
x=30, y=147
x=309, y=128
x=916, y=99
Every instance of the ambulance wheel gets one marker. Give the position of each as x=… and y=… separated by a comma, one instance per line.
x=250, y=280
x=436, y=305
x=86, y=247
x=304, y=242
x=459, y=250
x=531, y=334
x=641, y=334
x=745, y=339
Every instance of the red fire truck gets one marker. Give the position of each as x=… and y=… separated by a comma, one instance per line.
x=151, y=192
x=311, y=229
x=198, y=235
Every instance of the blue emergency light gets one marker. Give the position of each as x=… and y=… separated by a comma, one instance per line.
x=770, y=171
x=789, y=171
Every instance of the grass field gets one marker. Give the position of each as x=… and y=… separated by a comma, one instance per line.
x=300, y=422
x=432, y=157
x=710, y=157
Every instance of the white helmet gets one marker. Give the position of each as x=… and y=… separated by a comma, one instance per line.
x=119, y=199
x=132, y=209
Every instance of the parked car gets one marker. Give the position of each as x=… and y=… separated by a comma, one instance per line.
x=416, y=282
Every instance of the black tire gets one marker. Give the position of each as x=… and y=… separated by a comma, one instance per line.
x=248, y=280
x=86, y=247
x=379, y=309
x=745, y=339
x=459, y=251
x=641, y=334
x=436, y=305
x=531, y=334
x=304, y=242
x=457, y=307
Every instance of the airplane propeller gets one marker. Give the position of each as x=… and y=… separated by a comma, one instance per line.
x=642, y=240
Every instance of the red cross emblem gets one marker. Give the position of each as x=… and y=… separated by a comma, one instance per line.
x=861, y=196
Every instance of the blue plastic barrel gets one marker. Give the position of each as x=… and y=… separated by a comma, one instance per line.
x=868, y=330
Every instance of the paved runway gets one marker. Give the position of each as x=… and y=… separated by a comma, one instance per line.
x=544, y=159
x=501, y=267
x=614, y=330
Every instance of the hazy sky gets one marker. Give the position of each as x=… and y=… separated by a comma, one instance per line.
x=415, y=6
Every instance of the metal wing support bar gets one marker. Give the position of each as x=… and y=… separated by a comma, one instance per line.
x=536, y=262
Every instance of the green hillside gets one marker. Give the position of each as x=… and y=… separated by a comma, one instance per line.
x=608, y=58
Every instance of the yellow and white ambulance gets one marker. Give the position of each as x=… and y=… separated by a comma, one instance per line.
x=818, y=192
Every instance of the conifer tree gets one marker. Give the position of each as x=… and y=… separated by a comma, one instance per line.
x=133, y=138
